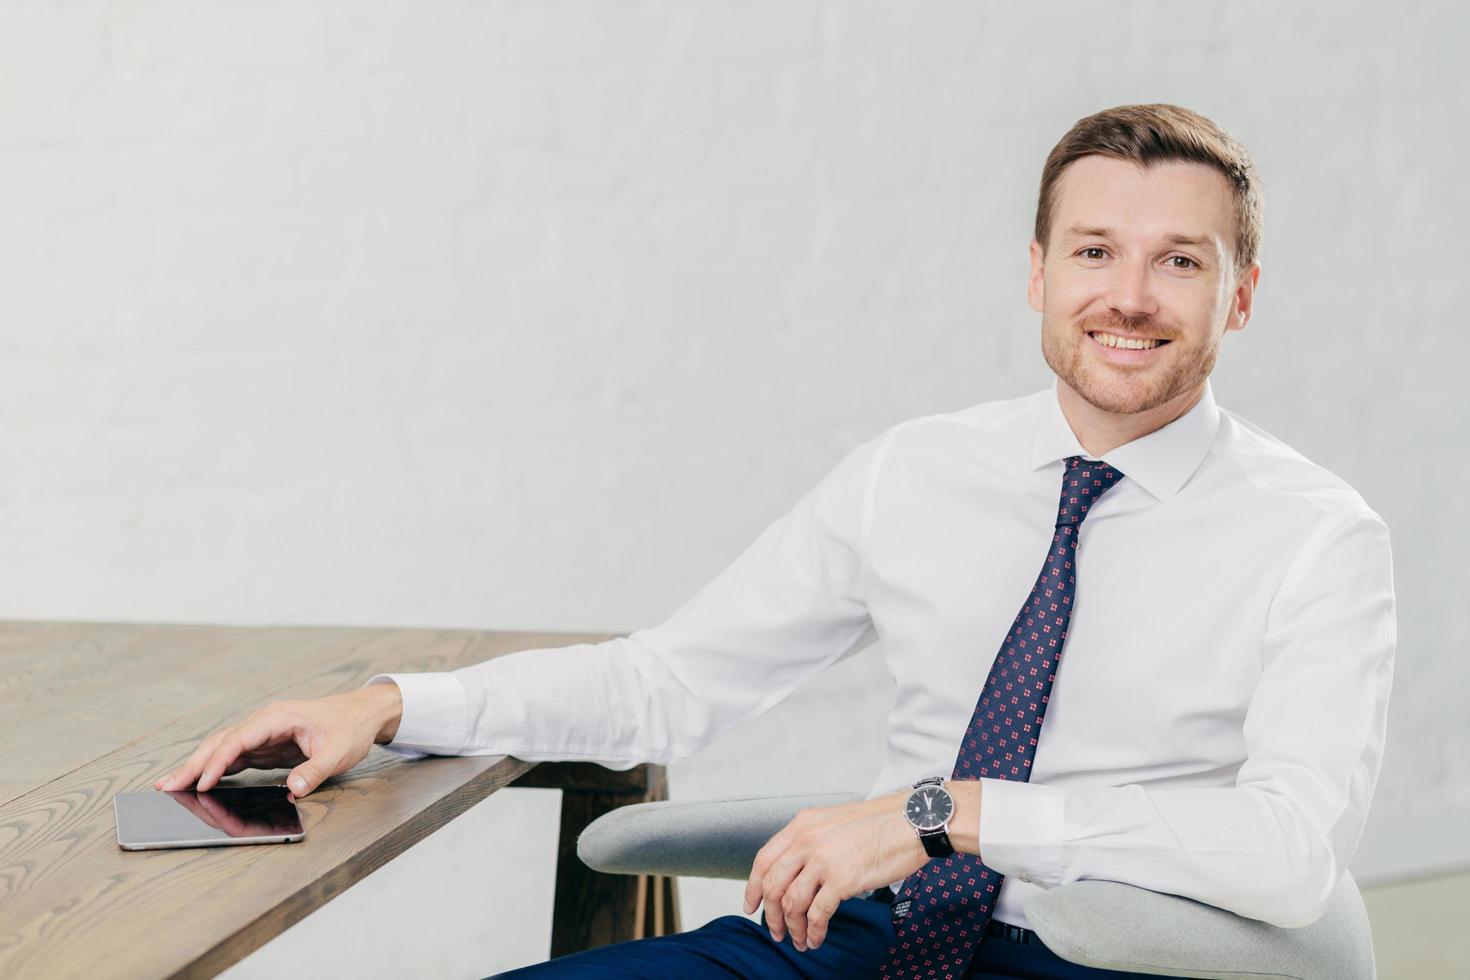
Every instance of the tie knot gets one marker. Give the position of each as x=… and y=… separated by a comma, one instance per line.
x=1083, y=482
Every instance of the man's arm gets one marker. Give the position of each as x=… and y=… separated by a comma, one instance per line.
x=791, y=604
x=1274, y=846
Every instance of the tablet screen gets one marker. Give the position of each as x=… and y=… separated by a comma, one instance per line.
x=224, y=815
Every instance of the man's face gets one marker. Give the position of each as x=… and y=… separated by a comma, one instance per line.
x=1138, y=254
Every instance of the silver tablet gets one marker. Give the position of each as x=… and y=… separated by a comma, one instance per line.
x=222, y=816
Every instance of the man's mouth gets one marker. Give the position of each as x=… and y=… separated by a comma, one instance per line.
x=1117, y=342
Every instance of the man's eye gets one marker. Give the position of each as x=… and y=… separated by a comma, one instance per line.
x=1093, y=248
x=1192, y=264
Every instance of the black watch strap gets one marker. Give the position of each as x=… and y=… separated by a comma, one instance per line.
x=936, y=844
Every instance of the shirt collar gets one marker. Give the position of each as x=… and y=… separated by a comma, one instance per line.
x=1160, y=462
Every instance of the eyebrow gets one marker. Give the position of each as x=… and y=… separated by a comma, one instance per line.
x=1198, y=241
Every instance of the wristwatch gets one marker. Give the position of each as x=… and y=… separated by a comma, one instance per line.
x=929, y=810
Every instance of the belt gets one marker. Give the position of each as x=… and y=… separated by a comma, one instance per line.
x=884, y=895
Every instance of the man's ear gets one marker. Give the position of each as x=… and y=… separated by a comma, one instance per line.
x=1036, y=284
x=1244, y=300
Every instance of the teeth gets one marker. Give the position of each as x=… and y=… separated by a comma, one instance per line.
x=1127, y=343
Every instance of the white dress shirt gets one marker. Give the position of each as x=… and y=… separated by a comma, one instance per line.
x=1216, y=725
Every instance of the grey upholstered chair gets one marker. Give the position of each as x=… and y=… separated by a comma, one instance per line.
x=1078, y=921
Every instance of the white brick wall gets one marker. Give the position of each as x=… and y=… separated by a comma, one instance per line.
x=532, y=314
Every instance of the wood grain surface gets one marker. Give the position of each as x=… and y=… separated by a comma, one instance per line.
x=91, y=710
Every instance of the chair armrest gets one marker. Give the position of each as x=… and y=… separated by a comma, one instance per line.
x=1103, y=924
x=1114, y=926
x=695, y=838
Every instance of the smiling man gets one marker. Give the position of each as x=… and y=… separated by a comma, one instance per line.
x=1133, y=636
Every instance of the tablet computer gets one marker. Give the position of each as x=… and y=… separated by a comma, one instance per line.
x=222, y=816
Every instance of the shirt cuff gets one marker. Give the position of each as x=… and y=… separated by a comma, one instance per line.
x=435, y=719
x=1021, y=830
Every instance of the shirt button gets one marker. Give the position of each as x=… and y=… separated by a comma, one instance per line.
x=1026, y=879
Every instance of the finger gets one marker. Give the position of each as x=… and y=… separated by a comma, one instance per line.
x=311, y=773
x=795, y=902
x=775, y=883
x=819, y=914
x=752, y=898
x=764, y=858
x=250, y=734
x=186, y=774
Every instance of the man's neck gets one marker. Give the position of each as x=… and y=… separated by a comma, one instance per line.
x=1101, y=431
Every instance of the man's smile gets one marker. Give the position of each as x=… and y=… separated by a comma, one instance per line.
x=1126, y=350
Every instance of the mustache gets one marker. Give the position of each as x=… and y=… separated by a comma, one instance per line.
x=1143, y=326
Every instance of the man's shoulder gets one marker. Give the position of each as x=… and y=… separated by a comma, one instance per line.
x=1267, y=465
x=1005, y=417
x=984, y=429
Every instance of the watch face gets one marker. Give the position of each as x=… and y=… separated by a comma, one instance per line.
x=929, y=807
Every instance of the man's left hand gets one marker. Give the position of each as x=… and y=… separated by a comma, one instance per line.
x=826, y=855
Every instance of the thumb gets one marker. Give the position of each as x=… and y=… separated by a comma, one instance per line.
x=305, y=777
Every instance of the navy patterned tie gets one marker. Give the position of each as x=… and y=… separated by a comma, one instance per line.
x=941, y=912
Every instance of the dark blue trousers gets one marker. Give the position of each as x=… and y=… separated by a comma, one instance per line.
x=857, y=941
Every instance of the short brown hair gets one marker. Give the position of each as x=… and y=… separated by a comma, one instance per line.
x=1148, y=134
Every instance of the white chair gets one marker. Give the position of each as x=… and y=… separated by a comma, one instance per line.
x=1078, y=921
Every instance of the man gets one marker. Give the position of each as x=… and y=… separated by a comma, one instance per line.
x=1226, y=606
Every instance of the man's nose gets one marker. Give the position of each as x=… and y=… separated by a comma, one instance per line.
x=1131, y=291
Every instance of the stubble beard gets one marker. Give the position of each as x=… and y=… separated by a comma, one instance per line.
x=1124, y=390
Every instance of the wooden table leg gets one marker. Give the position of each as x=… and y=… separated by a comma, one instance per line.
x=594, y=909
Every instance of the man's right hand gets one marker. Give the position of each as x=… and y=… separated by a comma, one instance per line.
x=319, y=739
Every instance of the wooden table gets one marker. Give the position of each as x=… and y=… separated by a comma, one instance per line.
x=90, y=710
